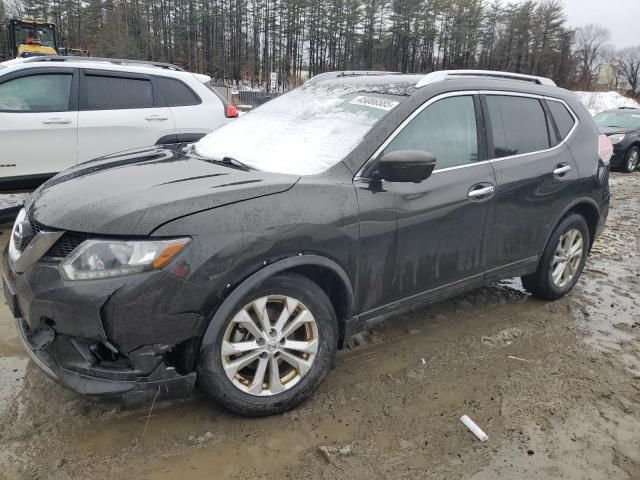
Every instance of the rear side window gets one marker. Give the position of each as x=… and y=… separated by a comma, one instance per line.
x=519, y=125
x=108, y=93
x=176, y=93
x=36, y=93
x=564, y=119
x=446, y=129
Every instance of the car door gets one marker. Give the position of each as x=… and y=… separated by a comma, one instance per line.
x=119, y=111
x=38, y=125
x=420, y=240
x=535, y=175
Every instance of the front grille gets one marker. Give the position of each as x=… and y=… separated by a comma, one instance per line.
x=36, y=227
x=65, y=244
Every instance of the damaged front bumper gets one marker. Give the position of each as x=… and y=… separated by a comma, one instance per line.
x=128, y=338
x=163, y=381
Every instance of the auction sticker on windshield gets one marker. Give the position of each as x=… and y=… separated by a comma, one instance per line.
x=374, y=102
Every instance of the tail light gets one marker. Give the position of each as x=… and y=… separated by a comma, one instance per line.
x=230, y=111
x=605, y=149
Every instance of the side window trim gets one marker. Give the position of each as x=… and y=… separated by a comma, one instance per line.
x=551, y=122
x=488, y=128
x=30, y=72
x=158, y=102
x=485, y=93
x=481, y=129
x=576, y=120
x=365, y=170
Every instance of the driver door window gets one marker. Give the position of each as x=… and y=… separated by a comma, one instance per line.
x=447, y=129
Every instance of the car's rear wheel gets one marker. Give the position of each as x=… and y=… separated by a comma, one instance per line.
x=274, y=350
x=562, y=260
x=631, y=160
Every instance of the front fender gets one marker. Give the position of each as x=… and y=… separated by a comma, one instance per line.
x=316, y=218
x=230, y=302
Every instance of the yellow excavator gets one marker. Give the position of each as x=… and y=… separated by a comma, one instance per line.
x=30, y=38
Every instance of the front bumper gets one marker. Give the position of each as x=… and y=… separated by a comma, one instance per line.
x=164, y=381
x=619, y=151
x=128, y=338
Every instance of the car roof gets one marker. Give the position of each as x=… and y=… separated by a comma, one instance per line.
x=407, y=84
x=95, y=63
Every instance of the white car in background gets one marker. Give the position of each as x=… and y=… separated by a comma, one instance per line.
x=56, y=112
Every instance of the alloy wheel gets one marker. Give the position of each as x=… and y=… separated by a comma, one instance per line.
x=269, y=345
x=632, y=160
x=567, y=258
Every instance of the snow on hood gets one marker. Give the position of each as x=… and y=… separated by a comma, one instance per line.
x=304, y=132
x=597, y=102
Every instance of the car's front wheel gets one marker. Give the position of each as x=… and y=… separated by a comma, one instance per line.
x=562, y=260
x=274, y=350
x=631, y=160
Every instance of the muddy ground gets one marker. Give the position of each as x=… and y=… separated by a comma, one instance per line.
x=555, y=385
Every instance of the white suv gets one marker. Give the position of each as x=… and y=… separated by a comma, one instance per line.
x=56, y=112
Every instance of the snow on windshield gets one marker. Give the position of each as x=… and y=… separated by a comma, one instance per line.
x=304, y=132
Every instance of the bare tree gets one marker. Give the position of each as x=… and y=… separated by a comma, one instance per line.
x=627, y=64
x=590, y=44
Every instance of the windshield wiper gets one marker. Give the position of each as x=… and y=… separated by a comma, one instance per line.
x=234, y=163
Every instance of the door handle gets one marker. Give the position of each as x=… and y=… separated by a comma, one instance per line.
x=57, y=121
x=561, y=169
x=482, y=192
x=157, y=118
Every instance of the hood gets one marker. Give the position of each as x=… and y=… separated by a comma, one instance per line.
x=134, y=192
x=612, y=130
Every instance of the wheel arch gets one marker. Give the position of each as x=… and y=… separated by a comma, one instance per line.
x=588, y=209
x=327, y=273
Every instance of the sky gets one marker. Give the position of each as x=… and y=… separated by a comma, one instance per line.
x=621, y=17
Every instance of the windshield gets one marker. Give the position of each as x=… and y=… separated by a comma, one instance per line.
x=629, y=120
x=303, y=132
x=43, y=34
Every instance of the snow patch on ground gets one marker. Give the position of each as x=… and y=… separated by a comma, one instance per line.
x=597, y=102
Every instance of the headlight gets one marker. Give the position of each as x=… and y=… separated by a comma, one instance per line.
x=616, y=138
x=111, y=258
x=14, y=253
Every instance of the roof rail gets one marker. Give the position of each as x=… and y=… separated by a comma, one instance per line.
x=115, y=61
x=346, y=73
x=447, y=74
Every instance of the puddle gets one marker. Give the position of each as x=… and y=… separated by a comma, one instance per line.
x=610, y=288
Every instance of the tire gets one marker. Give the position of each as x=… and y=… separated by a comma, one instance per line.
x=542, y=283
x=237, y=389
x=631, y=160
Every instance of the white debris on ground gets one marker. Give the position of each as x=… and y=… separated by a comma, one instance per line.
x=597, y=102
x=331, y=452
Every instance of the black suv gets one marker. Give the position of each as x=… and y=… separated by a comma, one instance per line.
x=622, y=126
x=244, y=261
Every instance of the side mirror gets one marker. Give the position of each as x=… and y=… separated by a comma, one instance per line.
x=406, y=166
